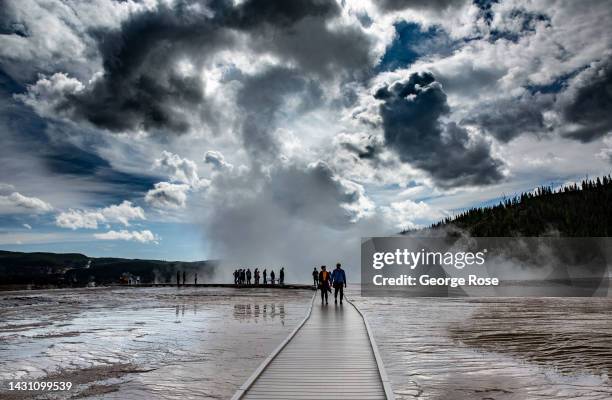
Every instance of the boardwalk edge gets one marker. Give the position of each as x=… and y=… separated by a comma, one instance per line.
x=381, y=367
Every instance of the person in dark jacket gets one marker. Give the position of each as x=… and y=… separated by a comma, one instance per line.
x=315, y=277
x=339, y=282
x=265, y=276
x=248, y=276
x=256, y=274
x=281, y=278
x=324, y=283
x=272, y=277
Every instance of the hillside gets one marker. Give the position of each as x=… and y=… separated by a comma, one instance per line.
x=571, y=211
x=73, y=269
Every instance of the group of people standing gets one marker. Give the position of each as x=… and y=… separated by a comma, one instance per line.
x=246, y=277
x=325, y=280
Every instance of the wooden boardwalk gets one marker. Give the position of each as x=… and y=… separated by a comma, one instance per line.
x=330, y=355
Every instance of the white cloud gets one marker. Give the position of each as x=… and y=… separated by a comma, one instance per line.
x=181, y=170
x=409, y=214
x=217, y=160
x=123, y=213
x=144, y=236
x=168, y=195
x=18, y=203
x=74, y=219
x=27, y=226
x=89, y=219
x=48, y=93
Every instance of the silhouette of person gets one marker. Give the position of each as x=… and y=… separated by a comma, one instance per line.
x=265, y=276
x=315, y=277
x=248, y=276
x=272, y=277
x=281, y=278
x=339, y=282
x=324, y=279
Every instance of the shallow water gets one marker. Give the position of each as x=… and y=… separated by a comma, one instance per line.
x=144, y=342
x=548, y=348
x=203, y=343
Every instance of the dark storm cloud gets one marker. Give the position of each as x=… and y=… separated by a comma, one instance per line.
x=412, y=113
x=588, y=104
x=261, y=99
x=395, y=5
x=141, y=87
x=510, y=118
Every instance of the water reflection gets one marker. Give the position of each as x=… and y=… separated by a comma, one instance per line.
x=254, y=312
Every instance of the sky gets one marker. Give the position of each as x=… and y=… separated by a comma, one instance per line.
x=268, y=132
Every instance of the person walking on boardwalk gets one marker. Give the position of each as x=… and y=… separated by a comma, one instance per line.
x=256, y=276
x=265, y=277
x=339, y=282
x=248, y=276
x=281, y=278
x=324, y=279
x=272, y=277
x=315, y=277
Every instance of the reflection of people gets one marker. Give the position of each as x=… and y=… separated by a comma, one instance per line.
x=339, y=281
x=324, y=277
x=315, y=276
x=272, y=277
x=281, y=278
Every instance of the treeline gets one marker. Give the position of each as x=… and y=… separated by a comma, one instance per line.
x=573, y=211
x=75, y=269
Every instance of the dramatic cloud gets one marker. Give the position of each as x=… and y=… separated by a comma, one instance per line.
x=153, y=63
x=509, y=118
x=18, y=203
x=89, y=219
x=144, y=236
x=262, y=97
x=168, y=195
x=586, y=105
x=412, y=113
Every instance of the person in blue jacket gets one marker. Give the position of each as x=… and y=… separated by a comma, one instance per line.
x=338, y=278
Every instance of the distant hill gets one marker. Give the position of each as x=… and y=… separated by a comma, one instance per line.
x=572, y=211
x=73, y=269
